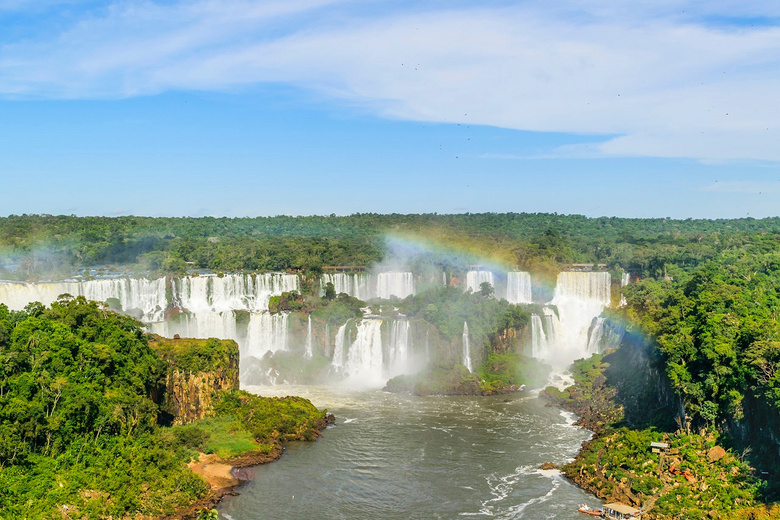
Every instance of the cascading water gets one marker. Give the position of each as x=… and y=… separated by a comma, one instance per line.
x=308, y=350
x=204, y=324
x=625, y=279
x=580, y=297
x=518, y=287
x=399, y=347
x=354, y=284
x=374, y=356
x=399, y=284
x=140, y=297
x=466, y=347
x=476, y=278
x=364, y=360
x=604, y=335
x=595, y=335
x=231, y=291
x=365, y=287
x=266, y=332
x=339, y=348
x=539, y=346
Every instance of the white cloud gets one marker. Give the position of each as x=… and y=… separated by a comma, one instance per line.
x=661, y=81
x=751, y=187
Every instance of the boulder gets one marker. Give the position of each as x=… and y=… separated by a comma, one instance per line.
x=716, y=453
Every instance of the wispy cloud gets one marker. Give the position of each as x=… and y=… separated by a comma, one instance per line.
x=754, y=187
x=661, y=76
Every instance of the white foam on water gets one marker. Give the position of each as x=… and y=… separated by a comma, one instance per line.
x=518, y=509
x=569, y=417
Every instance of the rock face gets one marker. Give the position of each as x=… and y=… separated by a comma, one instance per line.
x=510, y=339
x=189, y=396
x=198, y=370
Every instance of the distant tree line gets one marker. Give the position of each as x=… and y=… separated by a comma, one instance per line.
x=41, y=245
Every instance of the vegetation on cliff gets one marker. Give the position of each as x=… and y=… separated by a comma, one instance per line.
x=197, y=355
x=79, y=433
x=717, y=328
x=510, y=369
x=695, y=478
x=448, y=308
x=198, y=370
x=500, y=373
x=590, y=398
x=437, y=379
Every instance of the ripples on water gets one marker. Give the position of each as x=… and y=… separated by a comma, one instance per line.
x=393, y=456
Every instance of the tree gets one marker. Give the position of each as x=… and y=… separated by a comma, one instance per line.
x=330, y=291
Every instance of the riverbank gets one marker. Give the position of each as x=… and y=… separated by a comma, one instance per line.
x=687, y=475
x=225, y=476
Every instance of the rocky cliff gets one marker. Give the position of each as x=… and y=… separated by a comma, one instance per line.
x=198, y=370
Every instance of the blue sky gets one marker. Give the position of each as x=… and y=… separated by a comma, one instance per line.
x=239, y=108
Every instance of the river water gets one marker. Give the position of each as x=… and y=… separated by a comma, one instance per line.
x=403, y=457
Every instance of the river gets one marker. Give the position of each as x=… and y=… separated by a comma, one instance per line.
x=403, y=457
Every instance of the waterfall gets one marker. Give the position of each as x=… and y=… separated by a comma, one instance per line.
x=202, y=325
x=518, y=287
x=398, y=350
x=466, y=347
x=625, y=279
x=580, y=297
x=476, y=278
x=365, y=287
x=538, y=337
x=364, y=359
x=338, y=348
x=603, y=336
x=266, y=332
x=399, y=284
x=148, y=297
x=355, y=284
x=231, y=291
x=308, y=351
x=595, y=335
x=545, y=334
x=374, y=356
x=140, y=297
